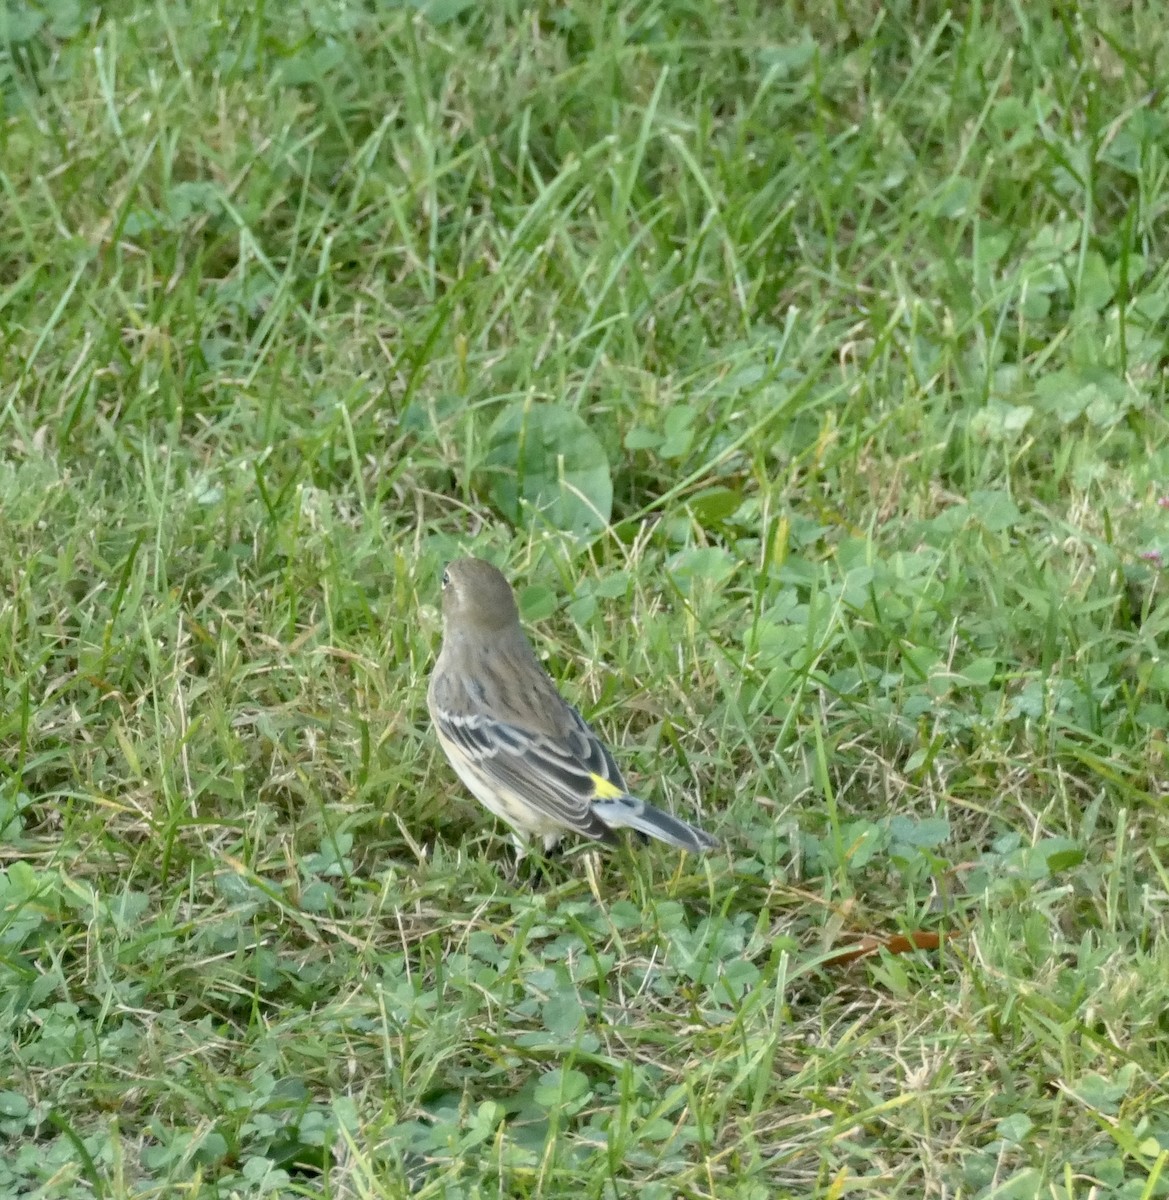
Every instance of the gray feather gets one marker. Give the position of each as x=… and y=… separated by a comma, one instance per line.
x=630, y=813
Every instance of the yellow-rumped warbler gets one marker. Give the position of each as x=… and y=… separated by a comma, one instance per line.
x=526, y=754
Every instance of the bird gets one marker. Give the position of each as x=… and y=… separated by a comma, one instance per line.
x=521, y=749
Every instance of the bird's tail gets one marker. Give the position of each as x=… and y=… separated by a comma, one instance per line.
x=628, y=812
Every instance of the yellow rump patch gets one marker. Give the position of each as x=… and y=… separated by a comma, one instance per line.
x=604, y=789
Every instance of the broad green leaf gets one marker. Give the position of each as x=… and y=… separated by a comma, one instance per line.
x=547, y=465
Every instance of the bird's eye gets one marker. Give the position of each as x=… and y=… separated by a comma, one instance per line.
x=446, y=579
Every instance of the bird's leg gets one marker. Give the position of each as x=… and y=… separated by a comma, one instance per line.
x=520, y=841
x=537, y=872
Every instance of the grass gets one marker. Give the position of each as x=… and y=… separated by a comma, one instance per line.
x=848, y=327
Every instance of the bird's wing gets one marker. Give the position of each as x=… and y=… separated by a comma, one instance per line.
x=562, y=775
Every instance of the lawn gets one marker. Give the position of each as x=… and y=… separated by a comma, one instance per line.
x=804, y=366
